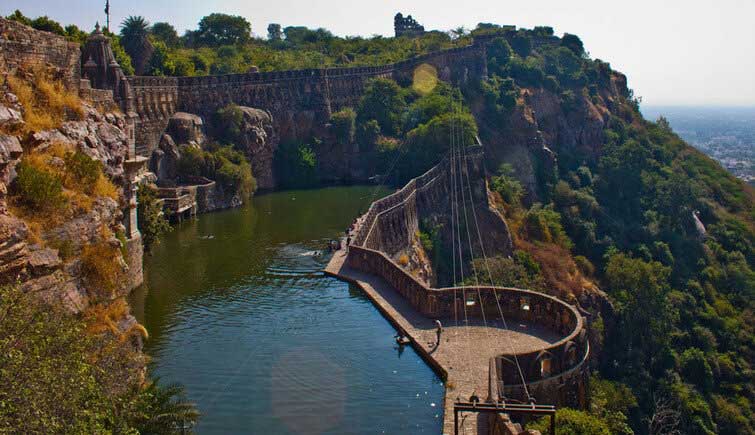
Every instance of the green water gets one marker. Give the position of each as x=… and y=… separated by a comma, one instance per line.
x=239, y=312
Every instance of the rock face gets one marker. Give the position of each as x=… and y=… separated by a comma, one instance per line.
x=260, y=140
x=186, y=128
x=41, y=269
x=540, y=128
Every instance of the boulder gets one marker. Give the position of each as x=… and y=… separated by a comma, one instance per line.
x=164, y=161
x=185, y=128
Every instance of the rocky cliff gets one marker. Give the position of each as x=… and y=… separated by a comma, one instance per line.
x=76, y=254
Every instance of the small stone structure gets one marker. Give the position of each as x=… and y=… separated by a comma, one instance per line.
x=407, y=26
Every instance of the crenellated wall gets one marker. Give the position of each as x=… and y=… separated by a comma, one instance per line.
x=300, y=101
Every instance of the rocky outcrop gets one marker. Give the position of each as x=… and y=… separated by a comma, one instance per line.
x=186, y=128
x=101, y=137
x=260, y=140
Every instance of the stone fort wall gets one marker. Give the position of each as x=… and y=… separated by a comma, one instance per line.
x=23, y=46
x=556, y=373
x=300, y=101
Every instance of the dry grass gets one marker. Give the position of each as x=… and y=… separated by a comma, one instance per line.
x=403, y=260
x=46, y=102
x=102, y=318
x=103, y=187
x=101, y=266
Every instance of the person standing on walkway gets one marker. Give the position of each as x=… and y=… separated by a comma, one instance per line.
x=438, y=330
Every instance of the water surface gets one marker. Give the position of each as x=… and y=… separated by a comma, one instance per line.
x=239, y=312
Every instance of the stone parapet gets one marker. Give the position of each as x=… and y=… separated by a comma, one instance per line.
x=20, y=47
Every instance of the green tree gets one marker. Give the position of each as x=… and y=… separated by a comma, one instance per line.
x=573, y=43
x=383, y=100
x=573, y=422
x=166, y=33
x=343, y=125
x=295, y=165
x=223, y=29
x=135, y=40
x=521, y=43
x=695, y=369
x=44, y=23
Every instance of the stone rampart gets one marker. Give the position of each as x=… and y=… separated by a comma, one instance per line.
x=300, y=101
x=556, y=373
x=22, y=46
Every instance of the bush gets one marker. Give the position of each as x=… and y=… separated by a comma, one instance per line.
x=101, y=268
x=46, y=102
x=507, y=186
x=82, y=171
x=343, y=125
x=60, y=377
x=221, y=163
x=573, y=422
x=37, y=188
x=384, y=101
x=227, y=123
x=152, y=221
x=544, y=225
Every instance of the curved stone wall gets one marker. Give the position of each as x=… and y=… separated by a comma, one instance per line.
x=556, y=373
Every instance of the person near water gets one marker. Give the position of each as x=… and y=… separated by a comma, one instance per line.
x=438, y=330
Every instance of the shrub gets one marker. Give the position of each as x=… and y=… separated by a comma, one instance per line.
x=37, y=188
x=221, y=163
x=574, y=422
x=383, y=101
x=82, y=172
x=507, y=186
x=101, y=268
x=152, y=221
x=343, y=125
x=64, y=377
x=227, y=123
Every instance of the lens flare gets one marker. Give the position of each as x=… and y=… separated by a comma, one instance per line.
x=425, y=79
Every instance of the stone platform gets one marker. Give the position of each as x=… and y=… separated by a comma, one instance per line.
x=463, y=356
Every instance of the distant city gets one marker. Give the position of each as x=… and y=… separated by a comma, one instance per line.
x=727, y=134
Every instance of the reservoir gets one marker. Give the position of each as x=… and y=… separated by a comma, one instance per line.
x=239, y=312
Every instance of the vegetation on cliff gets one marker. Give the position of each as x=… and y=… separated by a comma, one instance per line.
x=409, y=130
x=71, y=359
x=68, y=374
x=627, y=216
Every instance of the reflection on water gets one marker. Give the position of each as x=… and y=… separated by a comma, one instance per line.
x=239, y=312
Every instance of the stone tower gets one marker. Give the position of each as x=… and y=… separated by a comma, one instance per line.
x=407, y=26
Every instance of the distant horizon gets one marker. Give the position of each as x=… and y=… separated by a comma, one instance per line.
x=673, y=53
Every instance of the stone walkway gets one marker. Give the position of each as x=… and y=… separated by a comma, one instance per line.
x=464, y=353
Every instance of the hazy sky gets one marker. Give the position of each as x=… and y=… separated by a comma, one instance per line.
x=685, y=52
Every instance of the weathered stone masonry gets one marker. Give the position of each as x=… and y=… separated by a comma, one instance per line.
x=554, y=374
x=300, y=101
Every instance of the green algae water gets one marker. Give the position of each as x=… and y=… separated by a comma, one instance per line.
x=239, y=313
